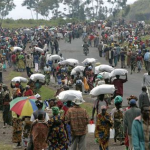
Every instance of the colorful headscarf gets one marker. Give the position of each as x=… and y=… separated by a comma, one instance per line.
x=55, y=110
x=118, y=99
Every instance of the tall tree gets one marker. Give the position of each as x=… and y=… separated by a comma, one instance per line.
x=5, y=7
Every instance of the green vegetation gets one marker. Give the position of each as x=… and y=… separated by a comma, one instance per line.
x=88, y=107
x=139, y=10
x=47, y=93
x=13, y=74
x=5, y=146
x=28, y=23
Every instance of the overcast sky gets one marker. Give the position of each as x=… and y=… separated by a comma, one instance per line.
x=21, y=12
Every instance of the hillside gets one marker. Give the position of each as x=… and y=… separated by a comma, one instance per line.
x=140, y=10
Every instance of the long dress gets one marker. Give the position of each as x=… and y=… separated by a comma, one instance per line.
x=21, y=64
x=57, y=134
x=17, y=129
x=39, y=133
x=118, y=125
x=102, y=130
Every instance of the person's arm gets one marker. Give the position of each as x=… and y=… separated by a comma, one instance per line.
x=141, y=98
x=97, y=127
x=93, y=113
x=135, y=136
x=125, y=124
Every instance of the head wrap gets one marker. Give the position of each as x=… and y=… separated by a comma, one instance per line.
x=55, y=110
x=132, y=97
x=132, y=101
x=118, y=99
x=99, y=76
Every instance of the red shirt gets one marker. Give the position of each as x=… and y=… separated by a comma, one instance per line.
x=118, y=83
x=13, y=58
x=28, y=93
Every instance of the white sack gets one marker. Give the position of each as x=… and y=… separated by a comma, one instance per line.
x=20, y=79
x=39, y=49
x=105, y=68
x=72, y=61
x=102, y=89
x=105, y=75
x=120, y=72
x=54, y=57
x=89, y=60
x=17, y=48
x=38, y=76
x=70, y=95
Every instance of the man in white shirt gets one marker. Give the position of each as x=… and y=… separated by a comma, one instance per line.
x=146, y=82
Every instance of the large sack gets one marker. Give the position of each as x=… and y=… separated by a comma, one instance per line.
x=39, y=49
x=89, y=60
x=38, y=76
x=105, y=68
x=20, y=79
x=102, y=89
x=70, y=61
x=105, y=75
x=70, y=95
x=120, y=72
x=17, y=49
x=54, y=57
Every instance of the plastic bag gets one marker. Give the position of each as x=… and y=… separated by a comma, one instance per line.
x=112, y=133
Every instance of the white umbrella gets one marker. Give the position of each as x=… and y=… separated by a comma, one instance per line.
x=70, y=95
x=54, y=57
x=89, y=60
x=102, y=89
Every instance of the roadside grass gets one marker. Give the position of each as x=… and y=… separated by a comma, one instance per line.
x=147, y=37
x=88, y=107
x=5, y=146
x=46, y=93
x=13, y=74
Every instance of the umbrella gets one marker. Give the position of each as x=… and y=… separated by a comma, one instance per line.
x=102, y=89
x=89, y=60
x=23, y=106
x=70, y=95
x=54, y=57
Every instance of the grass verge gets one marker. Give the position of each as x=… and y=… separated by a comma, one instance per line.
x=13, y=74
x=5, y=147
x=88, y=107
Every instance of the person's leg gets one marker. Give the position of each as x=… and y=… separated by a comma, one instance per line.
x=75, y=140
x=0, y=77
x=130, y=142
x=82, y=144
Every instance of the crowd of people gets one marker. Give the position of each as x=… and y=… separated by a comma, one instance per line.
x=58, y=125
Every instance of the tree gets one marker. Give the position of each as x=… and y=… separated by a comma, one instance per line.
x=5, y=7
